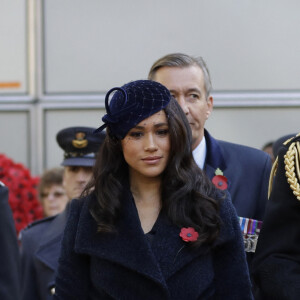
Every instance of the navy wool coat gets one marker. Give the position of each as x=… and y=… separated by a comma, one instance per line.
x=124, y=265
x=9, y=254
x=40, y=249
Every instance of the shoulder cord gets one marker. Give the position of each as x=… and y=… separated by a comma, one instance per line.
x=289, y=162
x=272, y=175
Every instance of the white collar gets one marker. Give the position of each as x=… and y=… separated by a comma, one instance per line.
x=199, y=153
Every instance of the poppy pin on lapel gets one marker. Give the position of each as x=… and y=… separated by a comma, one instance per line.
x=219, y=180
x=189, y=234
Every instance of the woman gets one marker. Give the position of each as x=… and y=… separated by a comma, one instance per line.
x=154, y=226
x=52, y=193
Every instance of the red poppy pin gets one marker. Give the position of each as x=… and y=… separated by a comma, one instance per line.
x=189, y=234
x=219, y=180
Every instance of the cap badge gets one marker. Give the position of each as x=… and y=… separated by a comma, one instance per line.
x=80, y=141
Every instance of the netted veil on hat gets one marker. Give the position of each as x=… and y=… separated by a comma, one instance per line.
x=131, y=104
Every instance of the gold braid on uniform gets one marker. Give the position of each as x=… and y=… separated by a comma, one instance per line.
x=275, y=165
x=272, y=175
x=292, y=168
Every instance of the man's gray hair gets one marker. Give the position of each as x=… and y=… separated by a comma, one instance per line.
x=180, y=60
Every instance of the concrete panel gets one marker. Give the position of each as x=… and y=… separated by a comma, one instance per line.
x=93, y=45
x=13, y=52
x=253, y=126
x=15, y=136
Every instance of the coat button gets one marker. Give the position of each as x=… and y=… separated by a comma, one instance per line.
x=52, y=291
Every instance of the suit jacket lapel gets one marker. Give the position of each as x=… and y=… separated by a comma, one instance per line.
x=214, y=158
x=49, y=248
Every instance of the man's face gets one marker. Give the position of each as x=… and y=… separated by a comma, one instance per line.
x=187, y=86
x=75, y=180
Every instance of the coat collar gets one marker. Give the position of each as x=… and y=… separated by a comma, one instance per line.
x=130, y=248
x=49, y=248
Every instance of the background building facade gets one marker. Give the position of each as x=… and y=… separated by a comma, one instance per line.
x=59, y=57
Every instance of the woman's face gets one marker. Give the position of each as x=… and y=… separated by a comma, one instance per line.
x=54, y=200
x=146, y=146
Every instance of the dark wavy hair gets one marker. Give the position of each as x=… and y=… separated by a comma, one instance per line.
x=189, y=199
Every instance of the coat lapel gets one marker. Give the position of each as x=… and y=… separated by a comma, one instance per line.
x=130, y=248
x=170, y=250
x=49, y=248
x=127, y=247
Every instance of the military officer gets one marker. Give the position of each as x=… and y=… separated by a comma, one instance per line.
x=276, y=263
x=40, y=241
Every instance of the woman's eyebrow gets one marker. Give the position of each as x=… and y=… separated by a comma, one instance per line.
x=155, y=125
x=138, y=127
x=161, y=124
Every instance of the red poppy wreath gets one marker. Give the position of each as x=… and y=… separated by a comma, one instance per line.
x=23, y=198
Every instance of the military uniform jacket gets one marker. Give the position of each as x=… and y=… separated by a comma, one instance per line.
x=247, y=171
x=40, y=248
x=276, y=264
x=124, y=265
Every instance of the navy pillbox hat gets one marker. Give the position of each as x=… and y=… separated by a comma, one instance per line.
x=80, y=145
x=131, y=104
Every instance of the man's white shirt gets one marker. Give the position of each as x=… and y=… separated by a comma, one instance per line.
x=199, y=153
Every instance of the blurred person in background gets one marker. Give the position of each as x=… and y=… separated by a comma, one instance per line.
x=51, y=192
x=268, y=148
x=40, y=241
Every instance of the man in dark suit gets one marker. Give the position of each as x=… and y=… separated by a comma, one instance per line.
x=9, y=255
x=244, y=171
x=40, y=241
x=276, y=263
